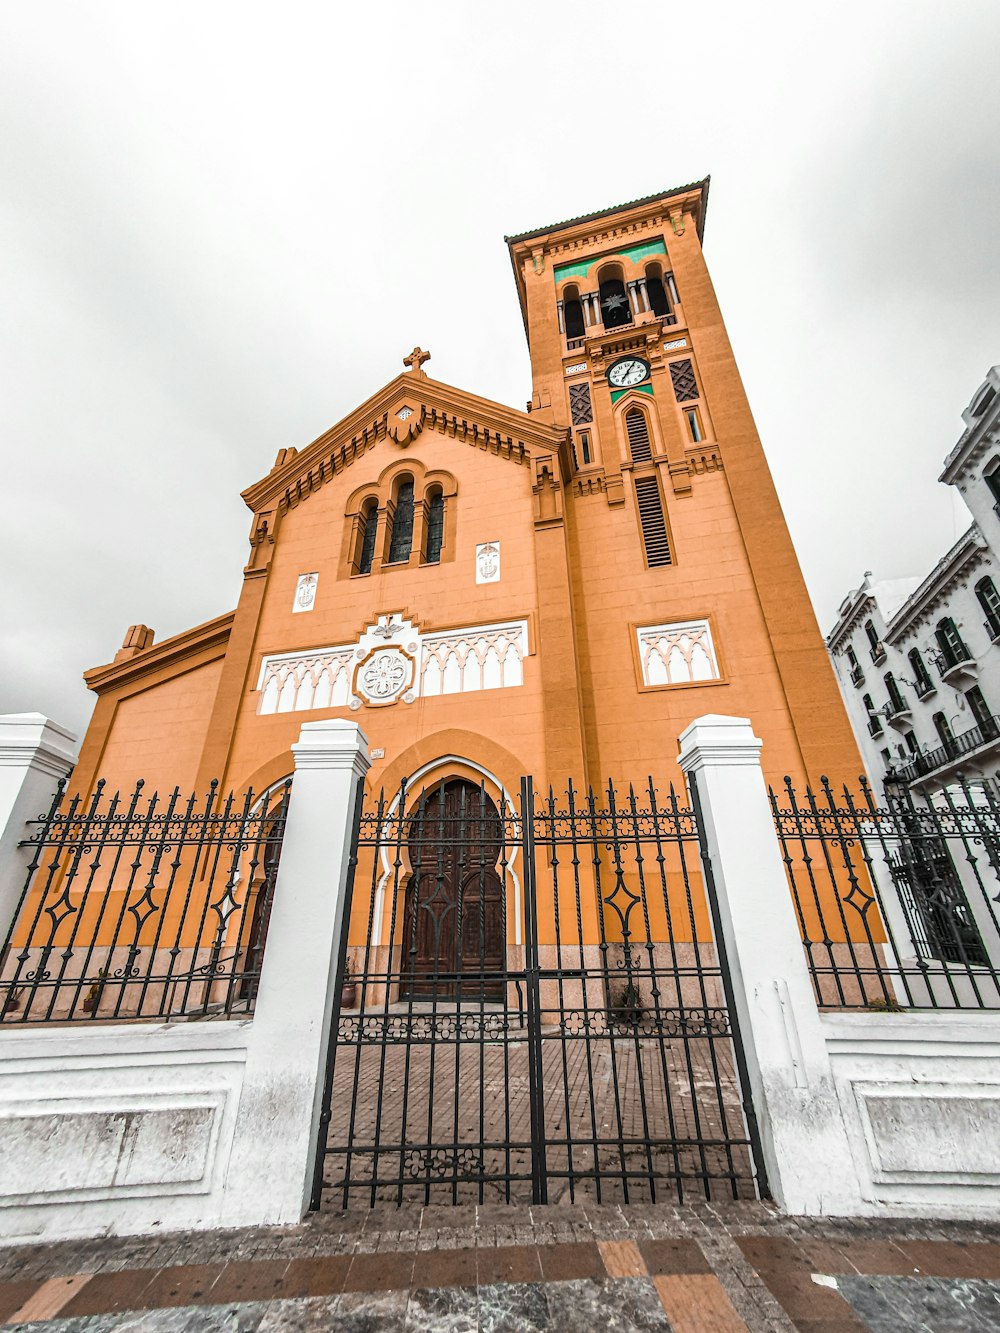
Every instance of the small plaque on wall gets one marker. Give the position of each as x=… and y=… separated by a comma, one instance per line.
x=305, y=592
x=488, y=562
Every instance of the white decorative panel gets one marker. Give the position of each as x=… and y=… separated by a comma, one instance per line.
x=293, y=682
x=488, y=658
x=305, y=592
x=393, y=662
x=677, y=654
x=488, y=562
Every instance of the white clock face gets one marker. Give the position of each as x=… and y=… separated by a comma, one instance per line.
x=626, y=373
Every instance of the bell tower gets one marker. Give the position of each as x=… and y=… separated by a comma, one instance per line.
x=671, y=513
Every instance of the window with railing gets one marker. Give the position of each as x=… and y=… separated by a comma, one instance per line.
x=857, y=675
x=952, y=649
x=989, y=600
x=897, y=704
x=922, y=683
x=875, y=648
x=874, y=719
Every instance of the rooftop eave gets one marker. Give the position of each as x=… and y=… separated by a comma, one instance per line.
x=861, y=601
x=213, y=634
x=535, y=434
x=951, y=565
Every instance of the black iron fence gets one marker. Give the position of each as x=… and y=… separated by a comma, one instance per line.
x=898, y=901
x=143, y=907
x=531, y=1007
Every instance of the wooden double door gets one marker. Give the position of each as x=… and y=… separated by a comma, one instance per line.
x=454, y=928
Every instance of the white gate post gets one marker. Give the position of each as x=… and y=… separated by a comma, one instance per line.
x=803, y=1136
x=270, y=1170
x=35, y=753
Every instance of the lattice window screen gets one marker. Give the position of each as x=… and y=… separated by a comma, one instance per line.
x=685, y=384
x=638, y=435
x=654, y=524
x=579, y=404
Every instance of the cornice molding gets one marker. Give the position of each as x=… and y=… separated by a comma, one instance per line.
x=171, y=652
x=847, y=623
x=969, y=552
x=480, y=422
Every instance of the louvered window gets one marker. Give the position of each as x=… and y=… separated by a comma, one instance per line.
x=368, y=540
x=638, y=435
x=654, y=525
x=435, y=528
x=402, y=524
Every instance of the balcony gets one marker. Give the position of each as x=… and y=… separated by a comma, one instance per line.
x=878, y=653
x=992, y=626
x=897, y=712
x=874, y=724
x=955, y=664
x=952, y=752
x=857, y=675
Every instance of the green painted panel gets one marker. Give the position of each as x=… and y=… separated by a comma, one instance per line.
x=639, y=388
x=635, y=252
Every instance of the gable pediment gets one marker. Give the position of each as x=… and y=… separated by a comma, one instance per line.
x=396, y=416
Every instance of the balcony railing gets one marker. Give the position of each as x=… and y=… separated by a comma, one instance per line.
x=992, y=624
x=957, y=748
x=955, y=658
x=923, y=686
x=878, y=652
x=874, y=724
x=896, y=707
x=857, y=675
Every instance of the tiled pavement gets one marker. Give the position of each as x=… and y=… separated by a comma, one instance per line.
x=698, y=1269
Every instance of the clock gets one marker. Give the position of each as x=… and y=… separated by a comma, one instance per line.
x=628, y=370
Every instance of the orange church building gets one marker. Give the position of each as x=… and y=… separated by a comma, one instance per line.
x=493, y=592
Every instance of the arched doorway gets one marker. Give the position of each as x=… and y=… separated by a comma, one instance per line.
x=454, y=939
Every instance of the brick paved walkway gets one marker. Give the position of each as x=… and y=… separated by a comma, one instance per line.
x=675, y=1104
x=698, y=1269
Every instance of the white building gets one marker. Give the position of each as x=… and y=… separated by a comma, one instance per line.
x=918, y=662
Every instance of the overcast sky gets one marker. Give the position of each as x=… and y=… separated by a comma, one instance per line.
x=222, y=225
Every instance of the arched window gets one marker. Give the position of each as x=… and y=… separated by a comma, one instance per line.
x=573, y=313
x=656, y=291
x=369, y=531
x=434, y=532
x=402, y=523
x=615, y=307
x=989, y=600
x=637, y=429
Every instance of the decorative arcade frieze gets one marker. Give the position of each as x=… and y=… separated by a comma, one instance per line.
x=393, y=662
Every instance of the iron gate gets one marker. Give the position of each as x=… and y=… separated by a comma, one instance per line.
x=530, y=1007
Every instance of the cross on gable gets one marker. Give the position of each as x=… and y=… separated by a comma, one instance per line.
x=416, y=360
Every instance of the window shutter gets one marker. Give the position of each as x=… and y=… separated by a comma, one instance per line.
x=654, y=525
x=638, y=435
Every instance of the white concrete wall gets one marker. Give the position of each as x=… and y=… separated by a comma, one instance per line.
x=859, y=1113
x=919, y=1094
x=136, y=1127
x=117, y=1128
